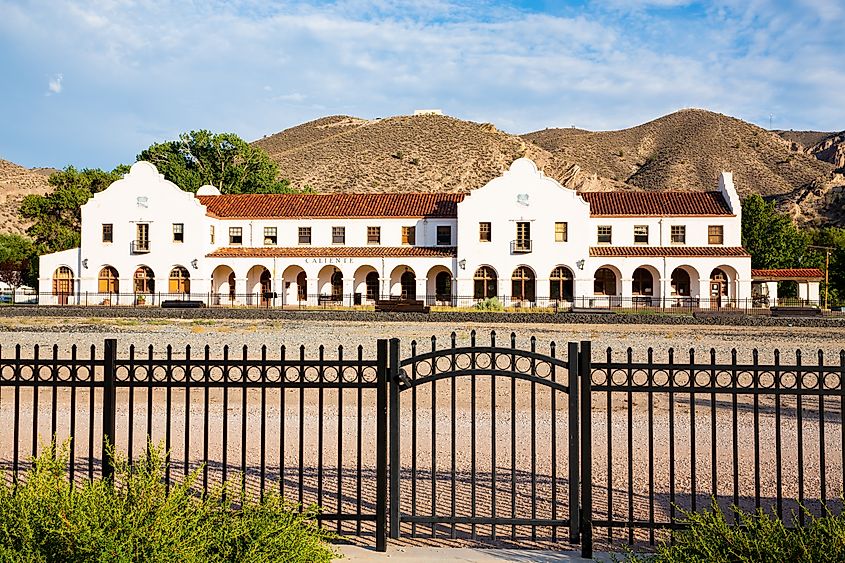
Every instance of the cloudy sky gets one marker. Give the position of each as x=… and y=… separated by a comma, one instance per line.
x=91, y=83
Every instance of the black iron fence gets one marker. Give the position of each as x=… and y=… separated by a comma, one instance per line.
x=643, y=303
x=502, y=442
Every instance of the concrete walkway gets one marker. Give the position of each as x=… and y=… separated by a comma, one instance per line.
x=358, y=554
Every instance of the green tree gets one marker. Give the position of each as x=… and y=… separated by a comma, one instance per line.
x=771, y=237
x=223, y=160
x=56, y=217
x=833, y=238
x=18, y=261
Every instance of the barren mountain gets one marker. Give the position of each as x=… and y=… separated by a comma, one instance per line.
x=16, y=182
x=427, y=153
x=687, y=149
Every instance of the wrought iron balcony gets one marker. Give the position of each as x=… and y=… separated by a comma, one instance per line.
x=139, y=246
x=521, y=246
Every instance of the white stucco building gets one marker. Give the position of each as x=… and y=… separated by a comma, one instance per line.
x=522, y=237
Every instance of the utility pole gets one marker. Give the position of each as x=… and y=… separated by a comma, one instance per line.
x=827, y=250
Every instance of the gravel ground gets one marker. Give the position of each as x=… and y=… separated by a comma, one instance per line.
x=504, y=460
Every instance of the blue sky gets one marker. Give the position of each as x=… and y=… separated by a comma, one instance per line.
x=93, y=82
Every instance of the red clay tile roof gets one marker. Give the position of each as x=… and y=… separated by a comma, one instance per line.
x=656, y=203
x=335, y=252
x=800, y=273
x=267, y=206
x=672, y=251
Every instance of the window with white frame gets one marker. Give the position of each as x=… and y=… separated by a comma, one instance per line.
x=605, y=234
x=641, y=234
x=271, y=237
x=678, y=234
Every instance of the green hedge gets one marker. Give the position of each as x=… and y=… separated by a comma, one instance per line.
x=759, y=537
x=44, y=518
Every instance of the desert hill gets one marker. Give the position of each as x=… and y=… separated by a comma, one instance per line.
x=687, y=149
x=684, y=150
x=429, y=153
x=16, y=182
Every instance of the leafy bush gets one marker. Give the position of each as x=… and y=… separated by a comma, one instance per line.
x=759, y=537
x=45, y=518
x=490, y=304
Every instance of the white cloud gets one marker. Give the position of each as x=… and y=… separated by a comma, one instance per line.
x=54, y=86
x=255, y=67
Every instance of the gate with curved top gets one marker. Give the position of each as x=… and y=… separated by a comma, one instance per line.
x=484, y=441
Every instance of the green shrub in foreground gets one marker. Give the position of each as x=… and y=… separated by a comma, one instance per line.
x=490, y=304
x=44, y=518
x=759, y=537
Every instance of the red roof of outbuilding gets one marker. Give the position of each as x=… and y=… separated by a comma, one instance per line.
x=334, y=252
x=261, y=206
x=673, y=251
x=802, y=273
x=656, y=203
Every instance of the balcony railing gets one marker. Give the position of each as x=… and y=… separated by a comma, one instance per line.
x=139, y=246
x=520, y=246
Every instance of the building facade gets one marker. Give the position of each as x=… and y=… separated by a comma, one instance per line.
x=522, y=238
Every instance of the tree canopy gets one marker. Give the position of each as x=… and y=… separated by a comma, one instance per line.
x=771, y=237
x=18, y=260
x=56, y=216
x=223, y=160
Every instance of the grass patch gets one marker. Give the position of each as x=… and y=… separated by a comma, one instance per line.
x=45, y=518
x=759, y=537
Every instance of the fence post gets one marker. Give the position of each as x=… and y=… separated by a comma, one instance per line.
x=574, y=442
x=395, y=468
x=585, y=369
x=109, y=358
x=381, y=446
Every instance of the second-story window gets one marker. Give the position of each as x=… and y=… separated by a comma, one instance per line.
x=236, y=235
x=304, y=235
x=373, y=235
x=409, y=235
x=271, y=237
x=178, y=232
x=444, y=235
x=561, y=232
x=605, y=234
x=641, y=234
x=678, y=234
x=338, y=235
x=108, y=232
x=716, y=234
x=485, y=231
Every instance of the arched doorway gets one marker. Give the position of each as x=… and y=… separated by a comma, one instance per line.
x=145, y=282
x=62, y=284
x=222, y=284
x=523, y=284
x=107, y=280
x=257, y=285
x=604, y=282
x=681, y=283
x=408, y=285
x=372, y=285
x=560, y=284
x=180, y=280
x=443, y=287
x=718, y=287
x=485, y=283
x=337, y=285
x=642, y=286
x=301, y=286
x=266, y=285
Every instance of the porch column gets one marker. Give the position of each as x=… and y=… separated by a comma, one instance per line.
x=313, y=285
x=704, y=292
x=422, y=290
x=627, y=291
x=348, y=290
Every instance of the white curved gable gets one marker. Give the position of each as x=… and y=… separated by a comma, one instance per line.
x=143, y=187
